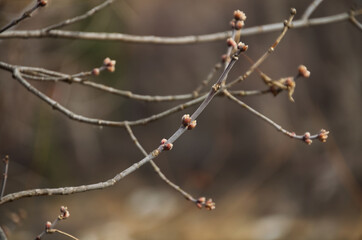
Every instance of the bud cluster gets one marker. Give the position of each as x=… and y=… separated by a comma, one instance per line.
x=306, y=138
x=209, y=204
x=187, y=122
x=108, y=64
x=64, y=213
x=238, y=22
x=303, y=71
x=166, y=146
x=323, y=135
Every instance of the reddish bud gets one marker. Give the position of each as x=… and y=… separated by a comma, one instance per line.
x=64, y=212
x=231, y=43
x=163, y=141
x=186, y=120
x=232, y=23
x=242, y=46
x=303, y=71
x=239, y=25
x=111, y=68
x=42, y=3
x=167, y=146
x=96, y=71
x=192, y=125
x=106, y=61
x=201, y=200
x=323, y=135
x=306, y=138
x=239, y=15
x=48, y=225
x=210, y=205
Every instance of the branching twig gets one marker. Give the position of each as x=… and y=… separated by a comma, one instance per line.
x=101, y=185
x=156, y=168
x=5, y=175
x=187, y=123
x=174, y=40
x=310, y=9
x=100, y=122
x=26, y=14
x=322, y=135
x=287, y=25
x=353, y=19
x=49, y=227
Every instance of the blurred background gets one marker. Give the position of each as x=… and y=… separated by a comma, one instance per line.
x=265, y=185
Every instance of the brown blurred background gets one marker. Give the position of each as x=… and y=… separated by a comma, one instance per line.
x=265, y=185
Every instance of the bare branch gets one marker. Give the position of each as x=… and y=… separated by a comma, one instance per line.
x=26, y=14
x=91, y=12
x=5, y=175
x=100, y=122
x=306, y=137
x=174, y=40
x=310, y=9
x=287, y=25
x=353, y=20
x=50, y=227
x=157, y=169
x=167, y=145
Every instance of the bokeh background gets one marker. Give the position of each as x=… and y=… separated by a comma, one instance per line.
x=265, y=185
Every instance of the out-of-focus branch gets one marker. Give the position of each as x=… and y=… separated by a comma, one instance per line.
x=310, y=9
x=5, y=175
x=174, y=40
x=91, y=12
x=353, y=20
x=26, y=14
x=50, y=226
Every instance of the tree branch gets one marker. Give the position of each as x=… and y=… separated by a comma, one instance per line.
x=175, y=40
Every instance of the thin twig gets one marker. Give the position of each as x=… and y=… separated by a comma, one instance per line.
x=354, y=20
x=80, y=17
x=5, y=175
x=45, y=231
x=2, y=234
x=26, y=14
x=63, y=233
x=40, y=74
x=174, y=40
x=205, y=82
x=157, y=169
x=100, y=122
x=310, y=9
x=268, y=120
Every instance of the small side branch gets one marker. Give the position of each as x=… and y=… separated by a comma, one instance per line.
x=307, y=138
x=5, y=175
x=88, y=14
x=310, y=9
x=354, y=21
x=25, y=15
x=157, y=169
x=50, y=226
